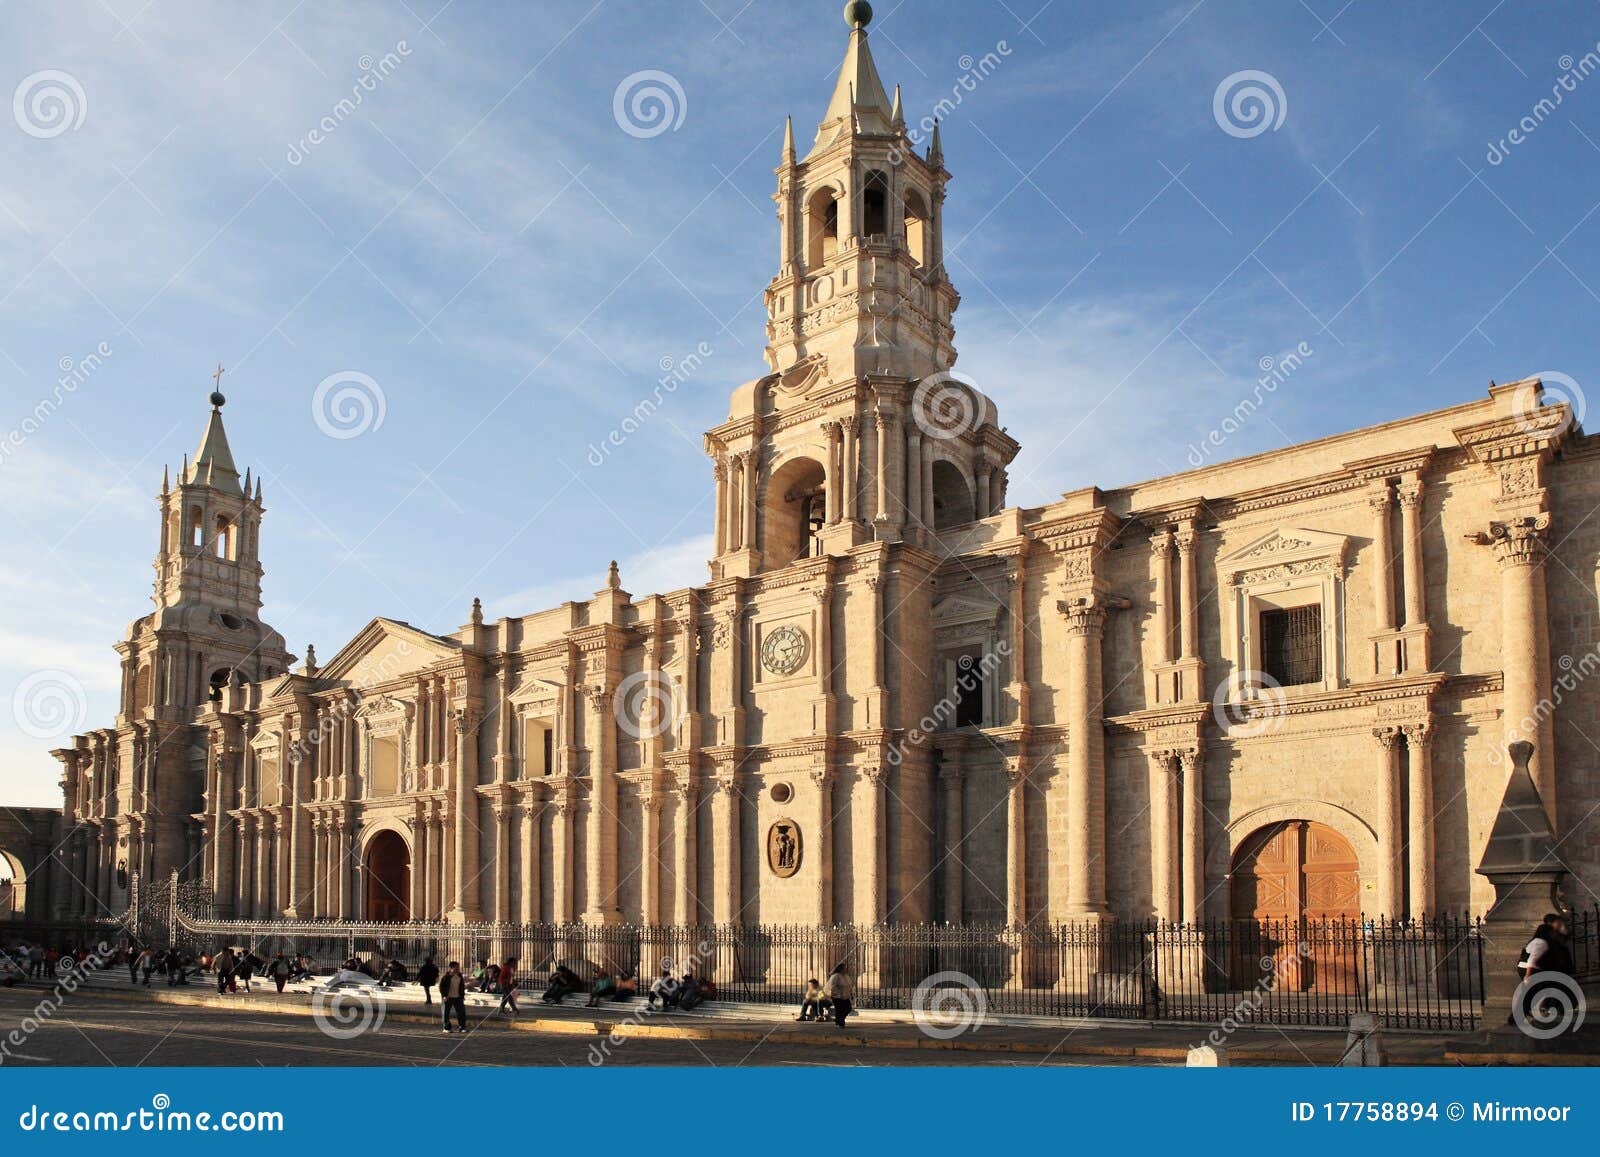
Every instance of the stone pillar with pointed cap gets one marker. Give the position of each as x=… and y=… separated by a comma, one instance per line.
x=1521, y=862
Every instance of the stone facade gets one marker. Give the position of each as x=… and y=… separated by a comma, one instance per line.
x=897, y=698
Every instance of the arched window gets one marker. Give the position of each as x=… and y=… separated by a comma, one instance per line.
x=197, y=528
x=219, y=680
x=918, y=231
x=822, y=227
x=793, y=514
x=224, y=540
x=952, y=497
x=875, y=206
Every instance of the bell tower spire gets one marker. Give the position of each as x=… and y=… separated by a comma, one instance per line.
x=861, y=282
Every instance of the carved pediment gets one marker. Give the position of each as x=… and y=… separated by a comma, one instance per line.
x=537, y=695
x=1286, y=546
x=384, y=650
x=266, y=740
x=380, y=709
x=954, y=609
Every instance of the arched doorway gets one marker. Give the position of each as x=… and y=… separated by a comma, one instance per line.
x=388, y=878
x=1295, y=895
x=13, y=887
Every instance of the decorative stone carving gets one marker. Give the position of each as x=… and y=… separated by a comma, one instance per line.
x=783, y=848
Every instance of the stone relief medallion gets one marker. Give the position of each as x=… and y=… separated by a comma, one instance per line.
x=783, y=848
x=784, y=650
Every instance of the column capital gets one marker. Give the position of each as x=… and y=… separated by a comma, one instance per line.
x=1390, y=737
x=1016, y=774
x=1519, y=542
x=1417, y=734
x=1410, y=491
x=1380, y=494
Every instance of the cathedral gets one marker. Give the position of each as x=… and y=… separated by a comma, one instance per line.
x=1277, y=686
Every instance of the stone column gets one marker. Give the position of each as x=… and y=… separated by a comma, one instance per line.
x=872, y=905
x=1391, y=885
x=600, y=867
x=1166, y=862
x=502, y=862
x=725, y=824
x=751, y=469
x=1017, y=584
x=980, y=470
x=1411, y=544
x=432, y=906
x=847, y=473
x=1521, y=547
x=1193, y=764
x=734, y=511
x=346, y=905
x=683, y=863
x=299, y=834
x=1381, y=500
x=1419, y=833
x=261, y=897
x=561, y=857
x=528, y=814
x=1161, y=563
x=719, y=472
x=832, y=488
x=913, y=473
x=1085, y=763
x=821, y=852
x=1188, y=596
x=1016, y=843
x=465, y=906
x=885, y=428
x=224, y=881
x=954, y=778
x=650, y=855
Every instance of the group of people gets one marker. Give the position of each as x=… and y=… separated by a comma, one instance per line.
x=1547, y=955
x=680, y=992
x=833, y=1000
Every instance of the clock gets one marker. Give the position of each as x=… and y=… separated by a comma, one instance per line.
x=784, y=650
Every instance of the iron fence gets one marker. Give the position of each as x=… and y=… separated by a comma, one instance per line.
x=1424, y=974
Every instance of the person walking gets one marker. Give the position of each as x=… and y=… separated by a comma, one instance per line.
x=508, y=986
x=279, y=970
x=245, y=969
x=841, y=991
x=427, y=977
x=1546, y=955
x=223, y=963
x=453, y=996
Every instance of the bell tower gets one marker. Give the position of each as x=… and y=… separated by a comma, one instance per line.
x=206, y=628
x=859, y=433
x=861, y=275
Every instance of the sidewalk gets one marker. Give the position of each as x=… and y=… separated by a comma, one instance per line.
x=1036, y=1037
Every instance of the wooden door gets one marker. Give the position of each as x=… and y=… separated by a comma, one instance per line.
x=1296, y=897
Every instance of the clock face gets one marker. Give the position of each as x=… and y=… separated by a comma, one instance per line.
x=784, y=650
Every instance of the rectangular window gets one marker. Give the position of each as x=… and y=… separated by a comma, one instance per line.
x=1291, y=645
x=969, y=692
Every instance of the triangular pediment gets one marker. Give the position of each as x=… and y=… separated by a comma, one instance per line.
x=387, y=649
x=537, y=693
x=1284, y=544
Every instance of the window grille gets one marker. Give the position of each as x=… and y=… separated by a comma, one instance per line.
x=1291, y=645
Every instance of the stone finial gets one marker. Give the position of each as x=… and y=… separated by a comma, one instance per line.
x=613, y=577
x=477, y=612
x=1522, y=840
x=311, y=659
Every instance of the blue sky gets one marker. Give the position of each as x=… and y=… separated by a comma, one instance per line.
x=482, y=240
